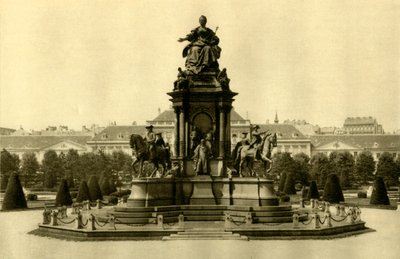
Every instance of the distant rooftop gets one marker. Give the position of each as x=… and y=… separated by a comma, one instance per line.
x=359, y=121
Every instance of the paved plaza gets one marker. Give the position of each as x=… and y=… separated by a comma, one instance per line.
x=16, y=243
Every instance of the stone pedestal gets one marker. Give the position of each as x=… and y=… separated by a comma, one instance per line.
x=245, y=191
x=221, y=191
x=202, y=191
x=267, y=193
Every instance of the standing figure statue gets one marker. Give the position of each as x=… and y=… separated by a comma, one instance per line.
x=203, y=50
x=194, y=139
x=201, y=157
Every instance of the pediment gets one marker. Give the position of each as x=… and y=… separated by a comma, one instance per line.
x=337, y=145
x=65, y=146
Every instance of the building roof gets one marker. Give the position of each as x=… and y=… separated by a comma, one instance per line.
x=284, y=131
x=235, y=116
x=359, y=121
x=38, y=142
x=167, y=115
x=360, y=141
x=119, y=132
x=6, y=131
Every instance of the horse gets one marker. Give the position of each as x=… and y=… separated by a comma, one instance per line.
x=246, y=154
x=141, y=153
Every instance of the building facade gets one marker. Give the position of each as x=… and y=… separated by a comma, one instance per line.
x=362, y=125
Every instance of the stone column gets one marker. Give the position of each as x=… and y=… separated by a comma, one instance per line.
x=228, y=133
x=222, y=130
x=181, y=133
x=176, y=133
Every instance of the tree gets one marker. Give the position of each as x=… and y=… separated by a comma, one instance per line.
x=320, y=168
x=364, y=166
x=51, y=166
x=94, y=189
x=302, y=168
x=332, y=191
x=63, y=195
x=387, y=169
x=8, y=163
x=379, y=194
x=105, y=186
x=14, y=197
x=72, y=166
x=83, y=192
x=342, y=163
x=313, y=191
x=30, y=166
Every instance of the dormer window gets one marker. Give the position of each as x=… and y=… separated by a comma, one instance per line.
x=104, y=136
x=120, y=136
x=376, y=144
x=279, y=134
x=295, y=134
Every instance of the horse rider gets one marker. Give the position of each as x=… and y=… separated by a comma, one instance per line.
x=256, y=140
x=150, y=138
x=244, y=141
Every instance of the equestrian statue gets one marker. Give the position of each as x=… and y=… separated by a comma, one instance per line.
x=151, y=149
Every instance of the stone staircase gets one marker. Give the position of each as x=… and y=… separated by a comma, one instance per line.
x=205, y=234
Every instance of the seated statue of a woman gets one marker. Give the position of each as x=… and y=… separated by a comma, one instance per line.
x=203, y=50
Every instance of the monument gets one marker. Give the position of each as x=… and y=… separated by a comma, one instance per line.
x=201, y=199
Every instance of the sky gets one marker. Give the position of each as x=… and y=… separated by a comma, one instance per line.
x=80, y=62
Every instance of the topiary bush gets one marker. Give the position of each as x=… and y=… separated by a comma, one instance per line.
x=113, y=188
x=289, y=184
x=94, y=189
x=105, y=186
x=285, y=198
x=14, y=197
x=63, y=196
x=282, y=180
x=379, y=194
x=83, y=192
x=333, y=191
x=313, y=191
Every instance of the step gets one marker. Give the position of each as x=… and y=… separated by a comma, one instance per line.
x=205, y=235
x=168, y=238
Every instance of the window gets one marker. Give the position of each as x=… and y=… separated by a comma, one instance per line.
x=378, y=155
x=104, y=136
x=120, y=136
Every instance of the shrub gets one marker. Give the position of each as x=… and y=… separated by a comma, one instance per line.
x=332, y=191
x=113, y=200
x=362, y=195
x=113, y=188
x=285, y=198
x=63, y=196
x=74, y=195
x=31, y=197
x=379, y=195
x=83, y=192
x=14, y=197
x=313, y=191
x=94, y=189
x=304, y=192
x=289, y=184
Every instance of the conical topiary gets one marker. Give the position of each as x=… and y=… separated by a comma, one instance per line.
x=63, y=196
x=113, y=188
x=282, y=181
x=105, y=186
x=290, y=184
x=94, y=189
x=332, y=191
x=304, y=192
x=379, y=194
x=83, y=192
x=14, y=197
x=313, y=191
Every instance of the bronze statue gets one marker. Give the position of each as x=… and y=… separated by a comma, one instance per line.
x=201, y=157
x=141, y=153
x=182, y=82
x=247, y=154
x=203, y=50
